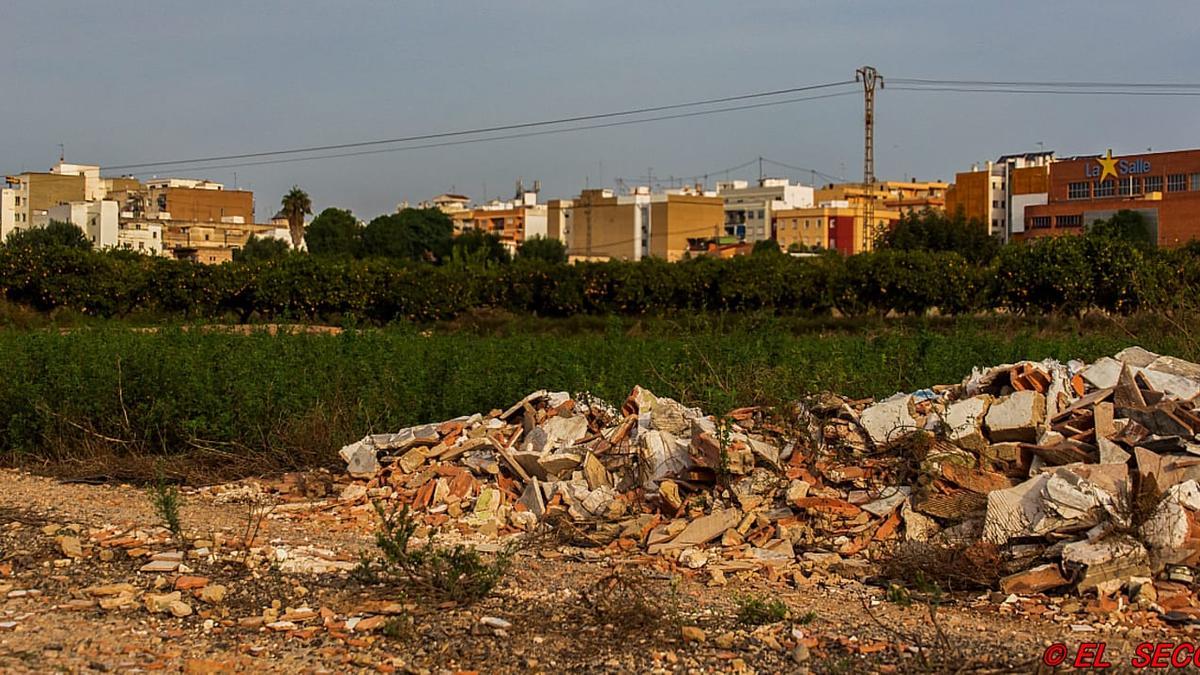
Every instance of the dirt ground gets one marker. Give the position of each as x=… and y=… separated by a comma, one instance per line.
x=560, y=609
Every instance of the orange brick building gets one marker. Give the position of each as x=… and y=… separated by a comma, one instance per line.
x=1163, y=186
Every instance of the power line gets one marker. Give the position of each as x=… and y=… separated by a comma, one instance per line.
x=1052, y=84
x=836, y=179
x=528, y=134
x=1076, y=92
x=492, y=129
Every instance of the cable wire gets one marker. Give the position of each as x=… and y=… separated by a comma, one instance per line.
x=528, y=134
x=492, y=129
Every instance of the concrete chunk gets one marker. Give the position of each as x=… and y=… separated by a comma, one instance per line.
x=964, y=421
x=360, y=459
x=1016, y=418
x=889, y=420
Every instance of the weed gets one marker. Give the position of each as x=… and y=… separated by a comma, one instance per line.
x=258, y=509
x=806, y=618
x=166, y=500
x=458, y=573
x=628, y=600
x=756, y=610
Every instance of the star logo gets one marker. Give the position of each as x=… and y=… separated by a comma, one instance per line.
x=1108, y=166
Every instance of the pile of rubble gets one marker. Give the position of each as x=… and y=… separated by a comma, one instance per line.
x=1067, y=475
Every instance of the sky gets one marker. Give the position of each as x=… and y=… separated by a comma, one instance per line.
x=153, y=80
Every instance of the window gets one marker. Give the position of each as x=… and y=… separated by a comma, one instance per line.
x=1069, y=221
x=1176, y=182
x=760, y=214
x=1105, y=189
x=1078, y=191
x=1195, y=182
x=1153, y=183
x=1130, y=185
x=1039, y=222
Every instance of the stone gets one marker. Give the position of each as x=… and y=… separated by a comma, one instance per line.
x=213, y=594
x=361, y=459
x=1034, y=580
x=160, y=566
x=559, y=463
x=1016, y=417
x=70, y=547
x=157, y=603
x=531, y=498
x=117, y=601
x=701, y=530
x=354, y=492
x=495, y=622
x=412, y=460
x=964, y=421
x=889, y=499
x=179, y=609
x=187, y=582
x=662, y=455
x=595, y=473
x=669, y=491
x=693, y=634
x=797, y=489
x=563, y=432
x=889, y=420
x=725, y=640
x=1106, y=564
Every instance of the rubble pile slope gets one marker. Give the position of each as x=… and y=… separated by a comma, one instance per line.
x=1069, y=476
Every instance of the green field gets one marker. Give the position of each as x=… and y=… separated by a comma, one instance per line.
x=109, y=400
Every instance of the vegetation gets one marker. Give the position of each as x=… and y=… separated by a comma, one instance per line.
x=335, y=232
x=54, y=234
x=475, y=248
x=543, y=249
x=754, y=610
x=1067, y=275
x=262, y=249
x=412, y=234
x=108, y=400
x=766, y=247
x=930, y=230
x=296, y=204
x=458, y=574
x=1124, y=225
x=165, y=500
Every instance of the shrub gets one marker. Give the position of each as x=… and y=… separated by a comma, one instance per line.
x=756, y=610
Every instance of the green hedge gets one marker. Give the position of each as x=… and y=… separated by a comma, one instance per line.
x=1070, y=274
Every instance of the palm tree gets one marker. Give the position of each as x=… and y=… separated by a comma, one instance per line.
x=296, y=205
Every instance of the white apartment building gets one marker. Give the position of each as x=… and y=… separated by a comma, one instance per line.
x=97, y=219
x=749, y=209
x=141, y=236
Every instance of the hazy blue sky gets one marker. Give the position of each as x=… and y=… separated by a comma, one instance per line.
x=136, y=81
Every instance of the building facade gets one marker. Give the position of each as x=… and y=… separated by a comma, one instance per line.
x=1163, y=186
x=834, y=225
x=749, y=209
x=642, y=224
x=197, y=201
x=998, y=193
x=98, y=220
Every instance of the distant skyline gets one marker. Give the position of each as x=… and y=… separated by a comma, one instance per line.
x=146, y=80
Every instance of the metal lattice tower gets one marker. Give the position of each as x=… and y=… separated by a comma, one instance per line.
x=870, y=78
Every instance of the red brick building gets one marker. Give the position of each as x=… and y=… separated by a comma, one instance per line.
x=1163, y=186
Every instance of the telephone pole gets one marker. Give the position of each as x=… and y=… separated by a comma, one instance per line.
x=870, y=78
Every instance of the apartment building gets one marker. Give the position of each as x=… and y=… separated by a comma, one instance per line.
x=998, y=193
x=749, y=209
x=833, y=225
x=643, y=224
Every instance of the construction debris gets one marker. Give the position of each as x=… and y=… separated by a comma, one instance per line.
x=1059, y=475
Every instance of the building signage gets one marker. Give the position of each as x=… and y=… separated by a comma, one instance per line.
x=1107, y=166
